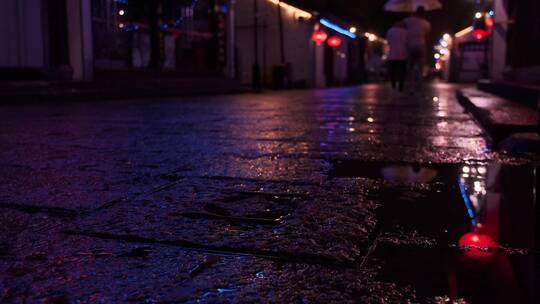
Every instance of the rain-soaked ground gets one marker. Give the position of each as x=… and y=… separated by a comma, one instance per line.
x=324, y=196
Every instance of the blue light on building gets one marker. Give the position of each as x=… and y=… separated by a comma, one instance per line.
x=337, y=28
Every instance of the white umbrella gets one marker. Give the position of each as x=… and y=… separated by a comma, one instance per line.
x=403, y=6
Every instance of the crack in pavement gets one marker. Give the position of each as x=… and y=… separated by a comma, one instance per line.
x=51, y=211
x=288, y=257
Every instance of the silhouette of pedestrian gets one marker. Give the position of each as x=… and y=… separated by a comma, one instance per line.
x=418, y=29
x=397, y=54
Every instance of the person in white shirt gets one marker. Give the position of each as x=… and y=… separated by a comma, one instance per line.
x=418, y=29
x=397, y=54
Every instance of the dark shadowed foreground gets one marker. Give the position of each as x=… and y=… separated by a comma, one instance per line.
x=340, y=195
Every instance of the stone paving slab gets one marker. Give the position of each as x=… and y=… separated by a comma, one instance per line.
x=500, y=117
x=65, y=268
x=331, y=221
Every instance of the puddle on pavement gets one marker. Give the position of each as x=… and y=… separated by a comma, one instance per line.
x=459, y=230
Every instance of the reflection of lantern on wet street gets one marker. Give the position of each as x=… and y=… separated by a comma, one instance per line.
x=472, y=185
x=479, y=245
x=334, y=41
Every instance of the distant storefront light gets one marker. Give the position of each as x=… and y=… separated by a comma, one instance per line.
x=482, y=25
x=337, y=28
x=296, y=12
x=464, y=32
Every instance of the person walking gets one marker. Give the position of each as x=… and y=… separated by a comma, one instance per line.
x=397, y=54
x=418, y=29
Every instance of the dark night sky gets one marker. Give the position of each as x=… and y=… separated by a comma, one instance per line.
x=370, y=16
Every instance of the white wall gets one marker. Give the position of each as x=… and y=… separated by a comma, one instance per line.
x=21, y=34
x=498, y=41
x=297, y=40
x=320, y=78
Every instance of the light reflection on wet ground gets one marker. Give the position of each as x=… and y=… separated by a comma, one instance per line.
x=335, y=196
x=468, y=230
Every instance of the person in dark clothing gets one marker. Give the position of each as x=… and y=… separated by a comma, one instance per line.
x=397, y=55
x=398, y=71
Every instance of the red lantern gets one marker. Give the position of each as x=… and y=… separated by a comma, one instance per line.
x=319, y=36
x=480, y=34
x=334, y=41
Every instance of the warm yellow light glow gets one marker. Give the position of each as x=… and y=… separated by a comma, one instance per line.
x=478, y=15
x=464, y=32
x=296, y=12
x=446, y=37
x=437, y=56
x=352, y=29
x=372, y=37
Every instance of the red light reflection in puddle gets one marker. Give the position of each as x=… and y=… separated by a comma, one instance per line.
x=478, y=245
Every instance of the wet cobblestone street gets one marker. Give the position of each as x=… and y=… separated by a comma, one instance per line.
x=345, y=195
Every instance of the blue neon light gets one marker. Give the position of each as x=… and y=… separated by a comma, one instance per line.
x=467, y=202
x=337, y=28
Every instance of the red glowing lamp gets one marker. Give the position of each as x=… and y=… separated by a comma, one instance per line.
x=479, y=245
x=334, y=41
x=319, y=37
x=480, y=34
x=489, y=23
